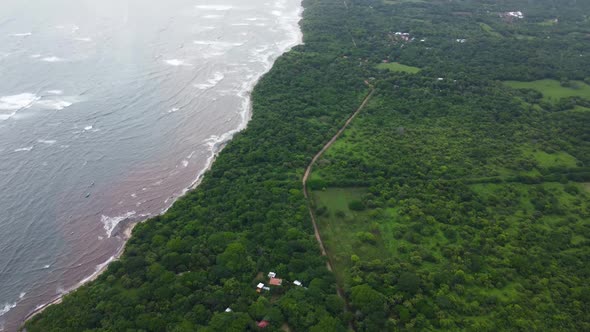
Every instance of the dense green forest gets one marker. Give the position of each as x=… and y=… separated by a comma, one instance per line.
x=459, y=199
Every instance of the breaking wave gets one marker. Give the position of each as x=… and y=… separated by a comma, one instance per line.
x=111, y=222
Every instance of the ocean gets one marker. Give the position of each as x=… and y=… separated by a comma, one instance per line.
x=109, y=111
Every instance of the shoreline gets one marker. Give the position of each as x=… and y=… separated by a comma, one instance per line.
x=217, y=148
x=127, y=231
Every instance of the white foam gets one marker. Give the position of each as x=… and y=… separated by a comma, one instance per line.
x=84, y=39
x=214, y=7
x=47, y=266
x=23, y=101
x=212, y=16
x=111, y=222
x=25, y=149
x=24, y=34
x=277, y=13
x=7, y=116
x=6, y=308
x=47, y=141
x=54, y=104
x=73, y=28
x=52, y=59
x=280, y=4
x=217, y=43
x=265, y=54
x=174, y=110
x=217, y=78
x=88, y=128
x=17, y=102
x=177, y=62
x=97, y=270
x=35, y=56
x=185, y=163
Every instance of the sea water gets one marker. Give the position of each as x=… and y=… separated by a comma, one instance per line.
x=109, y=111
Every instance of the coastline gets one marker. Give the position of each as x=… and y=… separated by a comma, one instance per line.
x=217, y=147
x=127, y=231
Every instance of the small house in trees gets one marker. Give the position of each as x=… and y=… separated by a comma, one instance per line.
x=259, y=287
x=228, y=309
x=275, y=282
x=297, y=283
x=272, y=274
x=263, y=324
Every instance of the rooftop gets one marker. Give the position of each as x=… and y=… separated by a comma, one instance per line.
x=276, y=281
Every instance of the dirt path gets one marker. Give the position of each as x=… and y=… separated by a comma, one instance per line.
x=308, y=170
x=328, y=145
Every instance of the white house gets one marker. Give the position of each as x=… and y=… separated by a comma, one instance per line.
x=297, y=283
x=517, y=14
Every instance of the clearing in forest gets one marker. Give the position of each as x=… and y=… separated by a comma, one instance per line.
x=398, y=67
x=553, y=90
x=431, y=211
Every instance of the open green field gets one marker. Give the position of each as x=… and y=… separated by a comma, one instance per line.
x=488, y=29
x=344, y=231
x=522, y=229
x=548, y=23
x=398, y=67
x=552, y=89
x=581, y=109
x=551, y=160
x=462, y=207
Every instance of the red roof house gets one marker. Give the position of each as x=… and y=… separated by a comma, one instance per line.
x=262, y=324
x=276, y=281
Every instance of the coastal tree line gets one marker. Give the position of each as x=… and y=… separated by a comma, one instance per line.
x=489, y=233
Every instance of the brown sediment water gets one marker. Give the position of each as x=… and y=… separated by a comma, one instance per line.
x=118, y=110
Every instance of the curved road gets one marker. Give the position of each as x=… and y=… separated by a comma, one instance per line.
x=308, y=170
x=310, y=167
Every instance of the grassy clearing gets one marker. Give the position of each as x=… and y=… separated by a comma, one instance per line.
x=524, y=37
x=552, y=89
x=344, y=231
x=581, y=109
x=549, y=160
x=548, y=23
x=398, y=67
x=488, y=29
